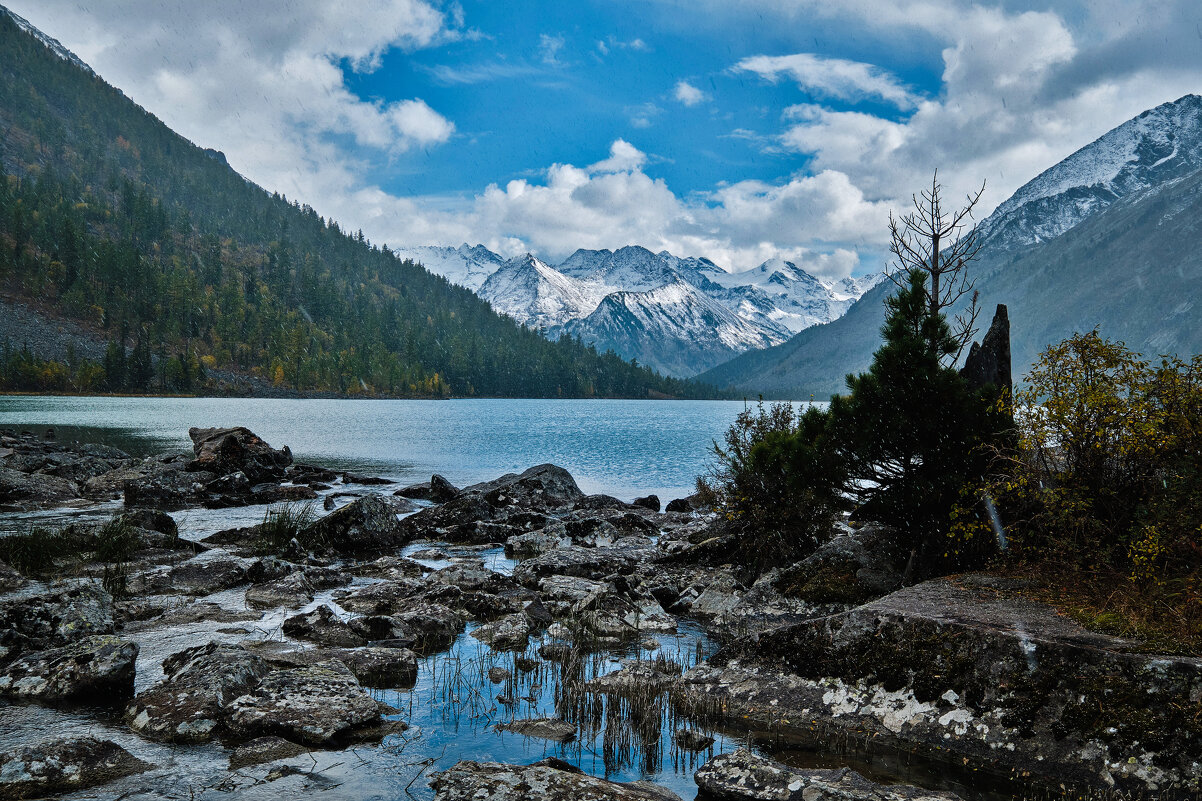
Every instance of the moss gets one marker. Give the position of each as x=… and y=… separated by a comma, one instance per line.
x=828, y=581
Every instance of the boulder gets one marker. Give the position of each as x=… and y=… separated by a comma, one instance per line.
x=637, y=677
x=323, y=627
x=472, y=576
x=381, y=598
x=510, y=633
x=151, y=520
x=367, y=525
x=95, y=670
x=742, y=776
x=227, y=450
x=64, y=766
x=320, y=704
x=592, y=563
x=189, y=705
x=453, y=521
x=366, y=481
x=436, y=490
x=648, y=502
x=432, y=625
x=679, y=505
x=543, y=487
x=549, y=780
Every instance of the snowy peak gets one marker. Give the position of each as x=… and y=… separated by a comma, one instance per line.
x=1141, y=155
x=467, y=266
x=537, y=295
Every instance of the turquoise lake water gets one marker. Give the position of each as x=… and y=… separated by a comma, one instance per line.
x=620, y=447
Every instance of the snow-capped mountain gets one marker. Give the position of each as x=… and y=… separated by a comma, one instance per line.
x=1158, y=146
x=679, y=315
x=539, y=296
x=468, y=266
x=52, y=44
x=675, y=328
x=1109, y=238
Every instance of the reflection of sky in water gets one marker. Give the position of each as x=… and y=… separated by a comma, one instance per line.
x=623, y=448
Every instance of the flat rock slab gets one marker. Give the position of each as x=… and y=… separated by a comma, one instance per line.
x=559, y=731
x=317, y=704
x=96, y=670
x=470, y=781
x=743, y=776
x=63, y=766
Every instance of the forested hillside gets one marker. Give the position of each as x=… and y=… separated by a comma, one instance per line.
x=110, y=218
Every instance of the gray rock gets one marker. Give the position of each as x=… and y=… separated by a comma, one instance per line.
x=559, y=731
x=436, y=490
x=722, y=595
x=543, y=487
x=323, y=627
x=545, y=781
x=679, y=505
x=743, y=776
x=472, y=576
x=64, y=766
x=227, y=450
x=382, y=598
x=34, y=491
x=264, y=749
x=649, y=502
x=851, y=568
x=637, y=678
x=591, y=563
x=692, y=740
x=170, y=489
x=367, y=525
x=989, y=362
x=373, y=667
x=320, y=704
x=510, y=633
x=189, y=705
x=95, y=670
x=433, y=626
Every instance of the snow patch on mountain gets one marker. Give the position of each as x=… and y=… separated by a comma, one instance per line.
x=468, y=266
x=1141, y=155
x=54, y=45
x=540, y=296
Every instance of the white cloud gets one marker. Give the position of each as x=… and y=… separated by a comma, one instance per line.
x=688, y=94
x=417, y=122
x=549, y=48
x=832, y=77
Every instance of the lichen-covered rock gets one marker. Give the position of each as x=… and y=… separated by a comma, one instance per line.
x=367, y=525
x=320, y=704
x=546, y=781
x=972, y=677
x=189, y=705
x=743, y=776
x=373, y=666
x=381, y=598
x=559, y=731
x=432, y=625
x=472, y=576
x=96, y=670
x=64, y=766
x=57, y=617
x=169, y=489
x=543, y=487
x=26, y=491
x=510, y=633
x=323, y=627
x=591, y=563
x=637, y=677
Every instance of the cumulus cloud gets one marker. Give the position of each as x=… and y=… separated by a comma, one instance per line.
x=688, y=94
x=832, y=77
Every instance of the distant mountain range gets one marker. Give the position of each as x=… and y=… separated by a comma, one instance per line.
x=677, y=315
x=1109, y=238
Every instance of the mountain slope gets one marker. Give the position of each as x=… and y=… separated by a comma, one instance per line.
x=674, y=328
x=112, y=219
x=1108, y=238
x=537, y=295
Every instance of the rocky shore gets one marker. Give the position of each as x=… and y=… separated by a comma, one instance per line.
x=135, y=647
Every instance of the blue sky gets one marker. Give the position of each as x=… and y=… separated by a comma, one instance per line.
x=738, y=131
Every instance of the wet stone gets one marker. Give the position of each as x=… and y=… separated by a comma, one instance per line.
x=289, y=592
x=546, y=781
x=63, y=766
x=510, y=633
x=55, y=618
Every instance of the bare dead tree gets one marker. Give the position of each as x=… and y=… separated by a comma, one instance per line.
x=941, y=244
